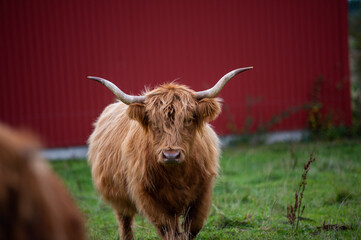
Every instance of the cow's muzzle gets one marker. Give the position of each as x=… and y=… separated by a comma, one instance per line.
x=171, y=156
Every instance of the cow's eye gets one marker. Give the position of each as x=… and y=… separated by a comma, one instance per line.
x=188, y=122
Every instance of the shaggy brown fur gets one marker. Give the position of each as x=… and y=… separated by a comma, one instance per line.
x=33, y=202
x=128, y=166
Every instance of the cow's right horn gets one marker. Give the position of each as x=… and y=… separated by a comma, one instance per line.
x=125, y=98
x=213, y=92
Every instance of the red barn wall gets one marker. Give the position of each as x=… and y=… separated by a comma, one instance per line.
x=49, y=47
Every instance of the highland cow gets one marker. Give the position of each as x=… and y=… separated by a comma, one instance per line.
x=33, y=202
x=157, y=155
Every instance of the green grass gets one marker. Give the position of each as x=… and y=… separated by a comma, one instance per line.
x=255, y=185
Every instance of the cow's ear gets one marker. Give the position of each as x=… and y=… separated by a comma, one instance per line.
x=208, y=109
x=136, y=111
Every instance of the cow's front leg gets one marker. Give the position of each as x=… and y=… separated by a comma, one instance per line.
x=125, y=226
x=165, y=222
x=197, y=213
x=169, y=230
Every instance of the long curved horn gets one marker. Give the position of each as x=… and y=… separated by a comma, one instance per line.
x=213, y=92
x=125, y=98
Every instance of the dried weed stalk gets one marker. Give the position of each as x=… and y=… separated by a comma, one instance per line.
x=295, y=211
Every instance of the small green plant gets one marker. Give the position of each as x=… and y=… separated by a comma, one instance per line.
x=295, y=211
x=316, y=122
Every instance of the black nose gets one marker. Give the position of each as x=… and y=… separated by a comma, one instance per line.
x=171, y=156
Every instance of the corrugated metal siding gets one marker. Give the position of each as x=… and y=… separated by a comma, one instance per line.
x=49, y=47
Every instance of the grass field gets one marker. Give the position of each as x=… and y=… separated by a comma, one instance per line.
x=255, y=185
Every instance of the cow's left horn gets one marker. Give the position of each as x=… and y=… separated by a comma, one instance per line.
x=125, y=98
x=213, y=92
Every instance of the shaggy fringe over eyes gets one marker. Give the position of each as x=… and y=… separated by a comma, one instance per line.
x=208, y=109
x=163, y=102
x=169, y=105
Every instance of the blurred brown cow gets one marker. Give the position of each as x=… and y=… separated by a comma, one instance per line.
x=33, y=202
x=157, y=155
